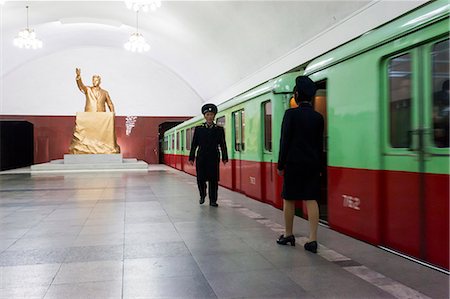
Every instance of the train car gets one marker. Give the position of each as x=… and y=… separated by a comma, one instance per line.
x=388, y=157
x=385, y=100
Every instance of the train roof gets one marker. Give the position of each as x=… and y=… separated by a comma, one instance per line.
x=282, y=84
x=418, y=18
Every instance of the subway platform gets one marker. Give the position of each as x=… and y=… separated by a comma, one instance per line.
x=144, y=235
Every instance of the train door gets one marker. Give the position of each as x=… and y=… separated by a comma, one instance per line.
x=177, y=151
x=267, y=168
x=163, y=127
x=416, y=153
x=320, y=105
x=182, y=157
x=238, y=148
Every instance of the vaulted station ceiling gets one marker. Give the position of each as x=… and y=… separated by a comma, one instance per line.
x=217, y=48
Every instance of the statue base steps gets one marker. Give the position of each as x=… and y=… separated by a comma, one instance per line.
x=90, y=162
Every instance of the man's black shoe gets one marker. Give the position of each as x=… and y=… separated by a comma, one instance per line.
x=213, y=204
x=202, y=200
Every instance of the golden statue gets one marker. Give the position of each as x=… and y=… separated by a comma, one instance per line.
x=95, y=96
x=94, y=131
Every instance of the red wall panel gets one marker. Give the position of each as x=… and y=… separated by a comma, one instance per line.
x=53, y=134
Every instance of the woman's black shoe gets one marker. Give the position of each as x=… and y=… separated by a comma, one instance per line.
x=282, y=240
x=311, y=246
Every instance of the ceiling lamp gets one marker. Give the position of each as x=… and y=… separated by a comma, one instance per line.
x=143, y=5
x=26, y=38
x=137, y=42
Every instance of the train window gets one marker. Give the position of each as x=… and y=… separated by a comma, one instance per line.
x=237, y=135
x=400, y=87
x=221, y=121
x=178, y=141
x=242, y=130
x=165, y=143
x=267, y=108
x=188, y=139
x=182, y=140
x=441, y=109
x=172, y=145
x=239, y=126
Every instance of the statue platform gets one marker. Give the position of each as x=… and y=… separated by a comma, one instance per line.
x=90, y=162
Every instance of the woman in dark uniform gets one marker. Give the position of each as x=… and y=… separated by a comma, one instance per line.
x=301, y=147
x=208, y=137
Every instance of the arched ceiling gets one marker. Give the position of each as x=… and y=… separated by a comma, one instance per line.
x=219, y=48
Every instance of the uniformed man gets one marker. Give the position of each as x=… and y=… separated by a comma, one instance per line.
x=208, y=138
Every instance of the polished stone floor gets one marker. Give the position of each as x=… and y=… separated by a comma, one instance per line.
x=144, y=235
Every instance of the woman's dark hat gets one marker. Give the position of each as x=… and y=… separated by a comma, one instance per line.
x=209, y=108
x=305, y=87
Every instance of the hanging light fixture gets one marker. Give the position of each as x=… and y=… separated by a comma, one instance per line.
x=26, y=38
x=143, y=5
x=137, y=42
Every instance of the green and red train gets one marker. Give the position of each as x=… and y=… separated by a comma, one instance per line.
x=385, y=102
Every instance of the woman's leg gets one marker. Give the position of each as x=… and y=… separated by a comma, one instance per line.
x=313, y=218
x=289, y=211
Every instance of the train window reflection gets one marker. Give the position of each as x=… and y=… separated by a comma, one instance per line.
x=441, y=65
x=400, y=87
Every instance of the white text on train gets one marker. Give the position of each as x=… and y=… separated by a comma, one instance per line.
x=351, y=202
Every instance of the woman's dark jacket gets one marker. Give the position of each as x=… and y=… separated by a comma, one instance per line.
x=301, y=140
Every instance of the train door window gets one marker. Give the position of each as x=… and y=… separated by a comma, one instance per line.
x=441, y=109
x=237, y=131
x=188, y=139
x=242, y=130
x=267, y=110
x=172, y=144
x=182, y=140
x=165, y=143
x=178, y=141
x=400, y=90
x=221, y=122
x=239, y=126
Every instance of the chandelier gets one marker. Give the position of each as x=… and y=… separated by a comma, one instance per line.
x=26, y=38
x=137, y=42
x=143, y=5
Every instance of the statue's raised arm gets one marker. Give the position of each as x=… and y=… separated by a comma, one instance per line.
x=79, y=82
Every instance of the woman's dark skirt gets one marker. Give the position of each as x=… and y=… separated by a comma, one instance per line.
x=300, y=184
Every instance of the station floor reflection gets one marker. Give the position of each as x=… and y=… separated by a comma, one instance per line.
x=144, y=235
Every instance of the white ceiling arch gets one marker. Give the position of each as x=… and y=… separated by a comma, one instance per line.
x=218, y=48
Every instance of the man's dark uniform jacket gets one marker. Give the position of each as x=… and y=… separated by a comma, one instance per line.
x=208, y=140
